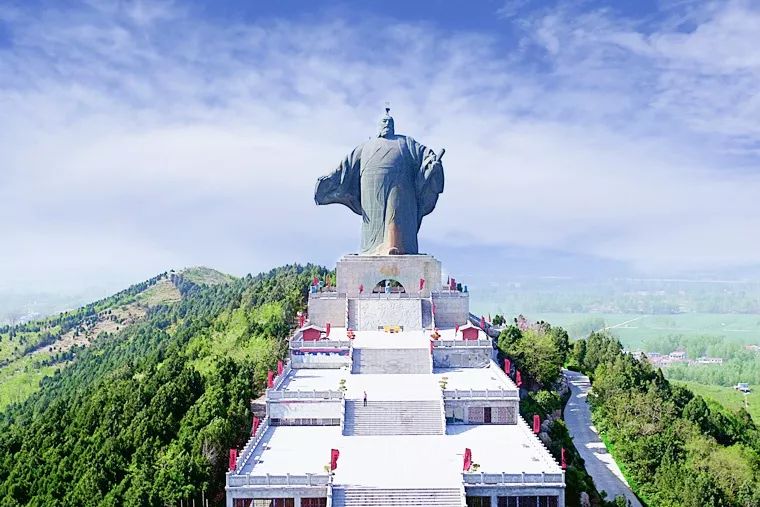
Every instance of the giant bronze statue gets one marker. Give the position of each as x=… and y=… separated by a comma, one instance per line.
x=392, y=181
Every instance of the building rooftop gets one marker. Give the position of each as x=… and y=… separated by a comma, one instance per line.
x=401, y=460
x=491, y=377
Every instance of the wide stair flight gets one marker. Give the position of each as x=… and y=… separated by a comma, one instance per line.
x=417, y=417
x=366, y=497
x=392, y=361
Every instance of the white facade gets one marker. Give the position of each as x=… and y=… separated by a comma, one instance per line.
x=399, y=401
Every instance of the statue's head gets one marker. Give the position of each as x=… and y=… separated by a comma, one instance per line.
x=385, y=127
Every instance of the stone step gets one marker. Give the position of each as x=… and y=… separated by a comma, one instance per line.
x=368, y=497
x=392, y=361
x=409, y=417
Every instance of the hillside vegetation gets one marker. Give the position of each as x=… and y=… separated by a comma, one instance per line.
x=147, y=416
x=676, y=448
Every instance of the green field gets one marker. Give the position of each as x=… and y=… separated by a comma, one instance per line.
x=726, y=396
x=632, y=329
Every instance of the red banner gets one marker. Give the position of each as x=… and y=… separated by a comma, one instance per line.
x=301, y=319
x=361, y=288
x=270, y=379
x=315, y=281
x=233, y=459
x=334, y=454
x=507, y=366
x=255, y=425
x=280, y=367
x=482, y=323
x=467, y=459
x=536, y=424
x=456, y=329
x=518, y=379
x=422, y=283
x=452, y=284
x=327, y=330
x=564, y=460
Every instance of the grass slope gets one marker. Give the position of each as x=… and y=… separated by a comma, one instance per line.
x=728, y=397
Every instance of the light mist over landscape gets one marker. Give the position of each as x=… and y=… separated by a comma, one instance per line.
x=581, y=139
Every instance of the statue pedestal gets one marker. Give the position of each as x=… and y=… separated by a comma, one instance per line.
x=354, y=271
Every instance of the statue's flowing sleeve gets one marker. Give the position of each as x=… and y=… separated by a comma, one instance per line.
x=429, y=178
x=342, y=186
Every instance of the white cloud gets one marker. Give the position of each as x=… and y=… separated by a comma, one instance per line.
x=142, y=138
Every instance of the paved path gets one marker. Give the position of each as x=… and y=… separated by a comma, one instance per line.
x=599, y=463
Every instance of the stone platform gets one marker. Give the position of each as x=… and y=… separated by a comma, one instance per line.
x=354, y=271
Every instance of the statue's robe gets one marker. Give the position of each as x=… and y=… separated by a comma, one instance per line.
x=384, y=181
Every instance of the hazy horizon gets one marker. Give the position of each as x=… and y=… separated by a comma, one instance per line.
x=582, y=140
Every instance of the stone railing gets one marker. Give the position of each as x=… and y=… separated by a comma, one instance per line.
x=278, y=480
x=245, y=454
x=494, y=394
x=273, y=395
x=327, y=294
x=541, y=479
x=389, y=295
x=317, y=344
x=445, y=293
x=462, y=343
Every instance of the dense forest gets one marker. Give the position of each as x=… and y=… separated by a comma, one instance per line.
x=146, y=417
x=677, y=449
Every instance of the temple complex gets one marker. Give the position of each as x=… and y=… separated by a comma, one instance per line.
x=391, y=396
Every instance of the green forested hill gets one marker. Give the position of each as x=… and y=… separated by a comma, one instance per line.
x=147, y=416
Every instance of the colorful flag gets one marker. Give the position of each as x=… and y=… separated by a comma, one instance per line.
x=233, y=459
x=334, y=455
x=255, y=425
x=467, y=459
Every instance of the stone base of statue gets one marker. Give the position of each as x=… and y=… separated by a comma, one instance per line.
x=368, y=274
x=374, y=292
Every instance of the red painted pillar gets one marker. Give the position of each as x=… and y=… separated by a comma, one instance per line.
x=233, y=459
x=280, y=367
x=270, y=379
x=536, y=424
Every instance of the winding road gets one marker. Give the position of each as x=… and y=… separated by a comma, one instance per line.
x=599, y=463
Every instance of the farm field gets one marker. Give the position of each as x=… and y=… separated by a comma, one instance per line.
x=726, y=396
x=632, y=329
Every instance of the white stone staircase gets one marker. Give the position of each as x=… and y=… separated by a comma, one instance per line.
x=408, y=417
x=355, y=496
x=392, y=360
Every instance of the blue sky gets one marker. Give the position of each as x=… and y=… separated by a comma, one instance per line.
x=140, y=136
